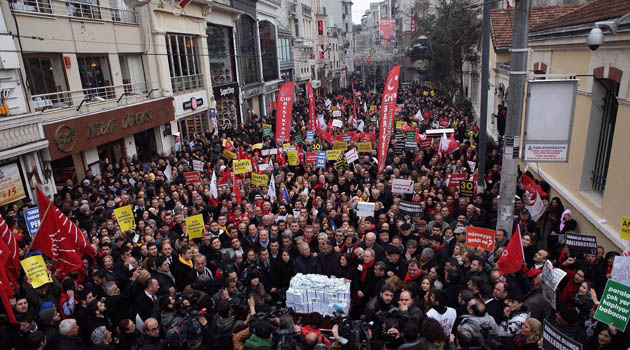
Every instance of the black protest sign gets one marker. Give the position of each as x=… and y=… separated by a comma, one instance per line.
x=466, y=188
x=581, y=244
x=553, y=339
x=410, y=208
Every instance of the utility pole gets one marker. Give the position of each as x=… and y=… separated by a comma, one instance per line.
x=483, y=117
x=512, y=138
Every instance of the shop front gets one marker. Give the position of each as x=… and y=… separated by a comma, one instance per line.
x=93, y=141
x=191, y=114
x=252, y=101
x=227, y=108
x=271, y=92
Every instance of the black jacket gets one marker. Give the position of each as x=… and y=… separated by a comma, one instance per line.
x=73, y=343
x=180, y=271
x=307, y=265
x=281, y=274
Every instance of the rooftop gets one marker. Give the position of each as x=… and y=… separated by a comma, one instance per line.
x=597, y=10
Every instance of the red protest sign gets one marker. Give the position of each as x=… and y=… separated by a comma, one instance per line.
x=311, y=157
x=443, y=123
x=192, y=177
x=477, y=237
x=454, y=179
x=425, y=144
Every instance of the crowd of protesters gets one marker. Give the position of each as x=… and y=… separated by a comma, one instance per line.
x=413, y=277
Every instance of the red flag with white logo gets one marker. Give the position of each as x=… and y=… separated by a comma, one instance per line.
x=59, y=238
x=512, y=258
x=5, y=287
x=386, y=122
x=13, y=264
x=311, y=106
x=284, y=109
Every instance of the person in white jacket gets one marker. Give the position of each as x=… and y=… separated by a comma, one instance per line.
x=514, y=314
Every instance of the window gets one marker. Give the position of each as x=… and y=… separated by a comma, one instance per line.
x=296, y=25
x=268, y=50
x=95, y=76
x=47, y=81
x=604, y=118
x=84, y=9
x=220, y=52
x=42, y=6
x=121, y=12
x=249, y=61
x=183, y=63
x=132, y=73
x=284, y=49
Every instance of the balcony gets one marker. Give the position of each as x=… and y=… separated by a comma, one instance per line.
x=87, y=9
x=307, y=11
x=292, y=8
x=20, y=134
x=187, y=82
x=68, y=99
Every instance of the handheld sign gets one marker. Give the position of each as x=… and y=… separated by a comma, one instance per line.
x=365, y=209
x=242, y=166
x=192, y=177
x=124, y=216
x=364, y=146
x=614, y=307
x=466, y=188
x=402, y=186
x=36, y=270
x=194, y=225
x=31, y=216
x=478, y=237
x=625, y=227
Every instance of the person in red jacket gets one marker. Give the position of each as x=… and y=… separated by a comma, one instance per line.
x=575, y=277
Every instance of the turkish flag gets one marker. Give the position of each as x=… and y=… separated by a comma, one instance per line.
x=531, y=186
x=512, y=258
x=386, y=122
x=13, y=263
x=59, y=238
x=311, y=106
x=5, y=287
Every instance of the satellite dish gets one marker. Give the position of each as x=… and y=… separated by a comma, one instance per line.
x=136, y=3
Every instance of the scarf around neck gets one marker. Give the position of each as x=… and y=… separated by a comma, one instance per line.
x=364, y=269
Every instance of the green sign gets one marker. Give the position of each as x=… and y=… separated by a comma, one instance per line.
x=266, y=130
x=615, y=305
x=298, y=138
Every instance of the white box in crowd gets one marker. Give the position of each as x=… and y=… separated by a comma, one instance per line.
x=318, y=293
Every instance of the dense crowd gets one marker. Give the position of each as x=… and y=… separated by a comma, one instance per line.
x=414, y=282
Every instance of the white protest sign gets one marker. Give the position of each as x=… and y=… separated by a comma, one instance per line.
x=621, y=270
x=168, y=172
x=352, y=155
x=264, y=152
x=551, y=277
x=197, y=165
x=336, y=122
x=365, y=209
x=263, y=166
x=402, y=186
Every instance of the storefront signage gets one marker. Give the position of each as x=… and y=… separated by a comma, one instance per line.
x=79, y=134
x=193, y=103
x=252, y=91
x=65, y=138
x=271, y=88
x=225, y=90
x=11, y=188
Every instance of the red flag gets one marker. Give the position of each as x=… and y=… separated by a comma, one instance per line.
x=5, y=288
x=386, y=123
x=224, y=177
x=512, y=258
x=283, y=113
x=427, y=115
x=236, y=190
x=280, y=157
x=13, y=264
x=311, y=106
x=229, y=146
x=532, y=187
x=354, y=105
x=59, y=238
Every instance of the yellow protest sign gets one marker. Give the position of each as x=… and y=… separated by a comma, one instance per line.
x=372, y=108
x=333, y=154
x=425, y=93
x=292, y=157
x=194, y=225
x=229, y=155
x=625, y=227
x=400, y=124
x=36, y=270
x=285, y=145
x=432, y=93
x=242, y=166
x=259, y=179
x=364, y=146
x=340, y=145
x=257, y=146
x=125, y=218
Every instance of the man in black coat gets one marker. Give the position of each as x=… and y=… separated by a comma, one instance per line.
x=306, y=263
x=328, y=259
x=69, y=338
x=440, y=250
x=146, y=304
x=182, y=267
x=396, y=264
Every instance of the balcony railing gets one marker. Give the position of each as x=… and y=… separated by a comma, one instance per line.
x=187, y=82
x=67, y=99
x=306, y=10
x=292, y=8
x=88, y=9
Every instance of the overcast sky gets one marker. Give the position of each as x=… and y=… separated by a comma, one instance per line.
x=358, y=9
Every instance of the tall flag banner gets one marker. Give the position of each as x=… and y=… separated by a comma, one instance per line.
x=284, y=104
x=13, y=265
x=59, y=238
x=236, y=190
x=272, y=189
x=5, y=288
x=354, y=105
x=311, y=106
x=386, y=122
x=512, y=258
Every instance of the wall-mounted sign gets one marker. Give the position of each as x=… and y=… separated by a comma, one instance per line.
x=65, y=138
x=252, y=91
x=193, y=103
x=223, y=91
x=11, y=188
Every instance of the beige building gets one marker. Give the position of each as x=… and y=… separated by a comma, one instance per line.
x=593, y=182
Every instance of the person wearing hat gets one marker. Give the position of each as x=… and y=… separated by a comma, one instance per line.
x=526, y=224
x=514, y=314
x=396, y=265
x=566, y=320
